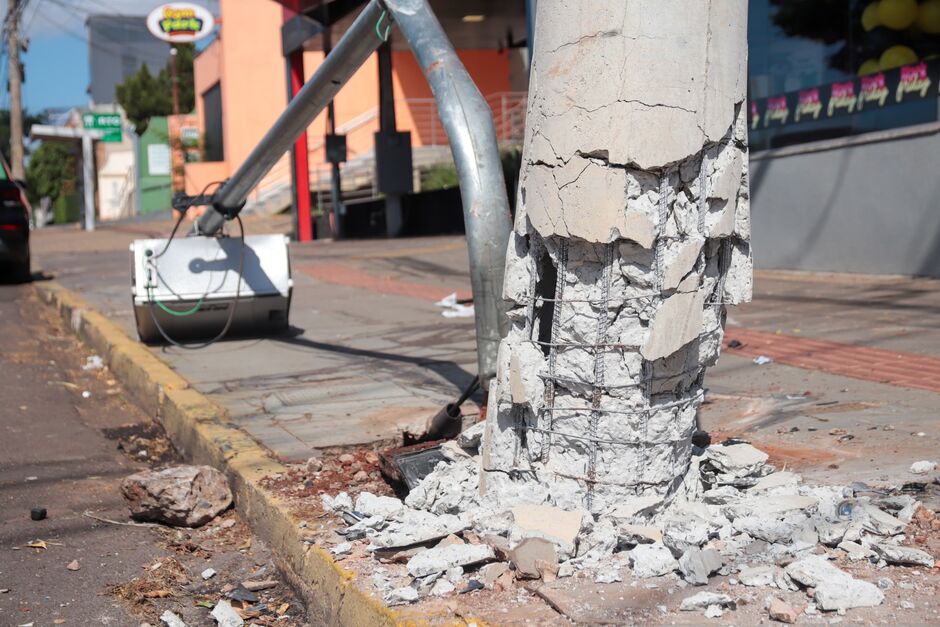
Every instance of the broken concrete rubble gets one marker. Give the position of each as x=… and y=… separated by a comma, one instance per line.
x=652, y=560
x=737, y=460
x=401, y=596
x=922, y=467
x=682, y=534
x=758, y=576
x=372, y=505
x=532, y=556
x=697, y=565
x=549, y=522
x=835, y=590
x=440, y=559
x=703, y=600
x=188, y=496
x=722, y=530
x=783, y=612
x=903, y=555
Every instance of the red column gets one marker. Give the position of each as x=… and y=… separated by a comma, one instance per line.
x=300, y=178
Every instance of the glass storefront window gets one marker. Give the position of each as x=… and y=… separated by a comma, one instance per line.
x=799, y=44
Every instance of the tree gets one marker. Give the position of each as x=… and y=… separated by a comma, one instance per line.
x=51, y=168
x=144, y=95
x=28, y=121
x=631, y=236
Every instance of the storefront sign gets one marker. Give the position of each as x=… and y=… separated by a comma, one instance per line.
x=108, y=123
x=180, y=22
x=158, y=160
x=874, y=91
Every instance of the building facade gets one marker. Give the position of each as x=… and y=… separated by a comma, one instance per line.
x=247, y=60
x=844, y=102
x=118, y=45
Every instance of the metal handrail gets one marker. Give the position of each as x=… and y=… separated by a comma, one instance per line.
x=467, y=121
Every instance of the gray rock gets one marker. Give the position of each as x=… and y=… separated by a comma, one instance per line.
x=903, y=555
x=342, y=502
x=776, y=480
x=609, y=575
x=713, y=611
x=226, y=616
x=922, y=467
x=442, y=587
x=679, y=535
x=856, y=552
x=454, y=575
x=170, y=619
x=638, y=534
x=372, y=505
x=831, y=534
x=471, y=436
x=758, y=576
x=703, y=599
x=491, y=572
x=402, y=596
x=532, y=556
x=415, y=527
x=770, y=530
x=696, y=565
x=721, y=495
x=652, y=560
x=835, y=590
x=440, y=559
x=738, y=460
x=877, y=521
x=188, y=496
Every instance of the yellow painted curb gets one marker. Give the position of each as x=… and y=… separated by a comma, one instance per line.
x=203, y=433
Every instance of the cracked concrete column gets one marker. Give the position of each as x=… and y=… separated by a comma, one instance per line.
x=632, y=234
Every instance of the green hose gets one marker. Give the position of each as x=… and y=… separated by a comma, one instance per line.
x=174, y=312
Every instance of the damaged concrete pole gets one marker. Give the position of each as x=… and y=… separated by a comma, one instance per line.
x=632, y=234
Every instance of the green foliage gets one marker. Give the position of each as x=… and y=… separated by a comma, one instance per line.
x=439, y=176
x=51, y=171
x=144, y=95
x=28, y=120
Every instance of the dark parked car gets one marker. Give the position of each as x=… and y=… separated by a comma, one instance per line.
x=14, y=229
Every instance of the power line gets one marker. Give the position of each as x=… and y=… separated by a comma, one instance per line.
x=106, y=48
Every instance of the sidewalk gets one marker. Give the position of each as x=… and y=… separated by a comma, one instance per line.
x=370, y=355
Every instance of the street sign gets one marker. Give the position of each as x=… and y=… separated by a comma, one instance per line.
x=108, y=123
x=180, y=22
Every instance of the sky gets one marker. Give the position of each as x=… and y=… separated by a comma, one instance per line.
x=56, y=63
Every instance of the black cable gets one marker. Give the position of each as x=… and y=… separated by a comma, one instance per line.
x=231, y=313
x=238, y=285
x=183, y=211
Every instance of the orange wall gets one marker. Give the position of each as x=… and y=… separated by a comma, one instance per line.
x=247, y=59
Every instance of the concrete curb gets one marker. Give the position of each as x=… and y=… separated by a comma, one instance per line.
x=203, y=433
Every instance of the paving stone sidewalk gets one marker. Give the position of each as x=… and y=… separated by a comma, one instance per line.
x=370, y=354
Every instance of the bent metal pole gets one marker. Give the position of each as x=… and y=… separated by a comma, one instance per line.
x=468, y=122
x=350, y=53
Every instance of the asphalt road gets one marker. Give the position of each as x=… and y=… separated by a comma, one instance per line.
x=62, y=429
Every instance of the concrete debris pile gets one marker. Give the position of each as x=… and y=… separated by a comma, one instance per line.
x=736, y=517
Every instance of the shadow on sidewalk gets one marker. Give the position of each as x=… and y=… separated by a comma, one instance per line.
x=451, y=371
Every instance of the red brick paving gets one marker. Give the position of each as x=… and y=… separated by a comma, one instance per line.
x=907, y=370
x=343, y=274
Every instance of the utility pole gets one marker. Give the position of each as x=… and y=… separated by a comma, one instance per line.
x=174, y=80
x=14, y=9
x=631, y=235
